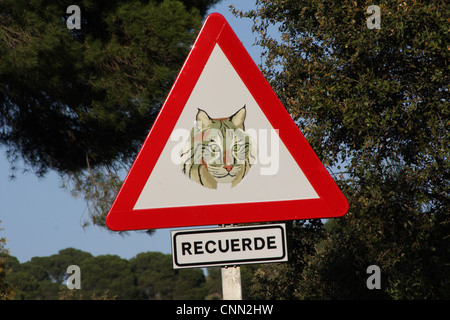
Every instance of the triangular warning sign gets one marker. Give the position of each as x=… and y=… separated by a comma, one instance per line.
x=223, y=150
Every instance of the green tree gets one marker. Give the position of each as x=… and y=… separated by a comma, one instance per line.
x=157, y=278
x=26, y=286
x=109, y=274
x=23, y=280
x=247, y=275
x=189, y=285
x=6, y=292
x=54, y=267
x=43, y=277
x=213, y=283
x=280, y=281
x=80, y=102
x=373, y=103
x=149, y=275
x=154, y=275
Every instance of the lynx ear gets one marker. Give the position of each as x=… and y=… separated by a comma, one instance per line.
x=239, y=117
x=203, y=118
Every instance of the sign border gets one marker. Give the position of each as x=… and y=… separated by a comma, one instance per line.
x=217, y=31
x=280, y=226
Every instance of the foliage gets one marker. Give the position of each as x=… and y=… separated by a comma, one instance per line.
x=214, y=284
x=280, y=281
x=148, y=276
x=373, y=104
x=6, y=293
x=80, y=102
x=158, y=279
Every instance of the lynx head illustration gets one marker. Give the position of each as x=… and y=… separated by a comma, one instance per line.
x=218, y=150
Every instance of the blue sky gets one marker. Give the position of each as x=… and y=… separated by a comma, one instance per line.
x=39, y=218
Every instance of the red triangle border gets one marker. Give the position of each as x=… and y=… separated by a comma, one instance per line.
x=331, y=201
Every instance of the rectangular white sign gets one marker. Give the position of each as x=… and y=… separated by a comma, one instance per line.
x=229, y=246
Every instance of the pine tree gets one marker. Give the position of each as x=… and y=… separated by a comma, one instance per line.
x=81, y=101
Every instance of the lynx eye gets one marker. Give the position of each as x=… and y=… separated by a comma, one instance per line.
x=214, y=147
x=237, y=148
x=213, y=152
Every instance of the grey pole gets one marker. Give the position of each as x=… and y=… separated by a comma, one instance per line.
x=231, y=280
x=231, y=283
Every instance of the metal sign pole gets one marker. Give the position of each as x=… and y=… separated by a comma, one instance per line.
x=231, y=283
x=231, y=280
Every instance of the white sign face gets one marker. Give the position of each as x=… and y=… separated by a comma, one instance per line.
x=229, y=246
x=274, y=175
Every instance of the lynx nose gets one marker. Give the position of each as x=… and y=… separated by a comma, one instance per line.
x=228, y=168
